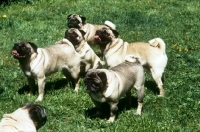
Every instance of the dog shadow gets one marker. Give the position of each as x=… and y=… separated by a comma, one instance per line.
x=1, y=91
x=91, y=112
x=55, y=85
x=151, y=85
x=8, y=2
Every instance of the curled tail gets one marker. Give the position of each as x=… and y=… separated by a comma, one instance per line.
x=158, y=42
x=110, y=25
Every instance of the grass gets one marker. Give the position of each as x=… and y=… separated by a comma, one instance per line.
x=44, y=22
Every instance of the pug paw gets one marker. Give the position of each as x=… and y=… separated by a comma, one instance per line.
x=110, y=120
x=160, y=95
x=39, y=99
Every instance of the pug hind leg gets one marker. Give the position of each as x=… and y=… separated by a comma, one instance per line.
x=76, y=81
x=140, y=94
x=70, y=78
x=157, y=76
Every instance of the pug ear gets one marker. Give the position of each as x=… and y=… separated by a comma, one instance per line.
x=115, y=33
x=69, y=16
x=33, y=46
x=83, y=19
x=66, y=34
x=82, y=32
x=37, y=114
x=102, y=76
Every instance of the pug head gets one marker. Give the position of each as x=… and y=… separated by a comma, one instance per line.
x=23, y=50
x=75, y=21
x=37, y=114
x=75, y=36
x=95, y=81
x=105, y=35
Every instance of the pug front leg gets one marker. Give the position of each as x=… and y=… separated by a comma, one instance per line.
x=31, y=84
x=139, y=108
x=97, y=64
x=87, y=67
x=128, y=100
x=41, y=85
x=98, y=106
x=77, y=84
x=113, y=112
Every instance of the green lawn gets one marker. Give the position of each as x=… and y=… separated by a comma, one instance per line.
x=44, y=22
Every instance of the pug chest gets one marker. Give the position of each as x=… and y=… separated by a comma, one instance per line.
x=98, y=97
x=27, y=73
x=31, y=73
x=26, y=70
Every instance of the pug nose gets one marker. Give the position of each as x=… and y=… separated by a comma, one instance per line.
x=71, y=20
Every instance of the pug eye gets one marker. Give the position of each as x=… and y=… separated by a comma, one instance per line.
x=76, y=20
x=106, y=33
x=23, y=48
x=96, y=84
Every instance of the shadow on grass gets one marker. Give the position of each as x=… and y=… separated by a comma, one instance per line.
x=8, y=2
x=1, y=91
x=91, y=113
x=151, y=85
x=56, y=85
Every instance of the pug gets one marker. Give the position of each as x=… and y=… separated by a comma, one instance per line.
x=38, y=63
x=152, y=55
x=28, y=118
x=110, y=85
x=79, y=22
x=76, y=37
